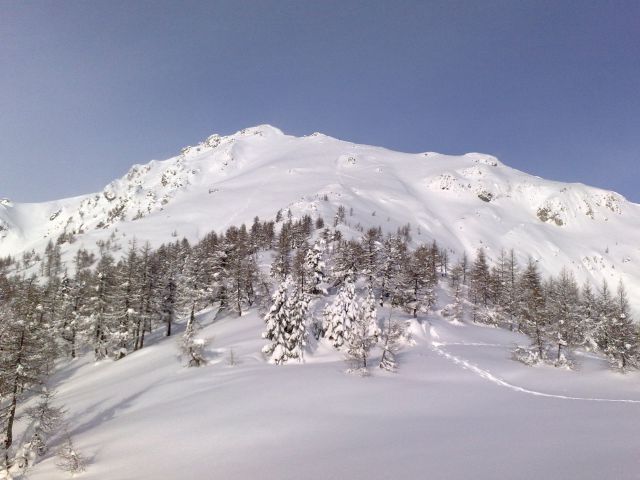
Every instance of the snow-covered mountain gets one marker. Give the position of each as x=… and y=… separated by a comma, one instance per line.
x=457, y=389
x=464, y=202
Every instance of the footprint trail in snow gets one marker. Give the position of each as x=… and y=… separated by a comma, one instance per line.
x=437, y=347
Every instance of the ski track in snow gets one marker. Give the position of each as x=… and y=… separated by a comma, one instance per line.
x=436, y=346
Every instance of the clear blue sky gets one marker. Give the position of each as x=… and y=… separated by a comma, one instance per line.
x=88, y=88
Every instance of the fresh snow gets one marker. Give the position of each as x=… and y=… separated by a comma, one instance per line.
x=464, y=202
x=458, y=408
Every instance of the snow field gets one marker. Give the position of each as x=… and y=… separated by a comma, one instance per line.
x=458, y=408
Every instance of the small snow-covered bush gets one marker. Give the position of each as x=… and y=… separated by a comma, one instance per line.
x=359, y=371
x=528, y=355
x=69, y=459
x=564, y=361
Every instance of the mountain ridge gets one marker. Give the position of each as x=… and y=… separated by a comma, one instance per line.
x=464, y=202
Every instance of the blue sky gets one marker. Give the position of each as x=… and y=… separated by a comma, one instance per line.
x=89, y=88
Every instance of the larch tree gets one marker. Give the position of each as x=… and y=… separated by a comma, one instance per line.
x=622, y=344
x=191, y=346
x=26, y=354
x=564, y=314
x=532, y=307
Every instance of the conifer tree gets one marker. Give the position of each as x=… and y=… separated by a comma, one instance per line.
x=391, y=337
x=281, y=266
x=371, y=246
x=532, y=307
x=147, y=301
x=605, y=313
x=480, y=282
x=45, y=420
x=314, y=267
x=238, y=265
x=127, y=298
x=392, y=258
x=622, y=334
x=101, y=306
x=510, y=292
x=457, y=309
x=364, y=331
x=277, y=323
x=417, y=282
x=340, y=316
x=564, y=312
x=297, y=307
x=69, y=458
x=588, y=314
x=191, y=346
x=26, y=353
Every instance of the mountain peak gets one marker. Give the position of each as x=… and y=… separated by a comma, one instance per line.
x=461, y=201
x=263, y=130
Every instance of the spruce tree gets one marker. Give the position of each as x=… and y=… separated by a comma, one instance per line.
x=340, y=316
x=277, y=323
x=364, y=332
x=297, y=307
x=314, y=267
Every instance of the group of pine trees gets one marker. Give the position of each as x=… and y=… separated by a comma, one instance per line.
x=107, y=301
x=557, y=314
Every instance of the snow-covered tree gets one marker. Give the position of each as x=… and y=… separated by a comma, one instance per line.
x=340, y=316
x=622, y=348
x=457, y=308
x=604, y=316
x=277, y=320
x=281, y=266
x=532, y=308
x=479, y=291
x=314, y=267
x=191, y=346
x=45, y=420
x=392, y=335
x=563, y=309
x=126, y=299
x=69, y=458
x=417, y=281
x=392, y=254
x=297, y=307
x=588, y=315
x=26, y=353
x=101, y=325
x=364, y=332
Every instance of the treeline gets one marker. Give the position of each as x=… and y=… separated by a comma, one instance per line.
x=556, y=313
x=108, y=300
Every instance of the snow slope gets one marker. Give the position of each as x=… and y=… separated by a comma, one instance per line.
x=459, y=408
x=463, y=201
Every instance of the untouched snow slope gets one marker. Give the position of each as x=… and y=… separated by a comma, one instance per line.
x=464, y=202
x=459, y=408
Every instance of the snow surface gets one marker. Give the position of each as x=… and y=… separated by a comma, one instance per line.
x=458, y=408
x=463, y=201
